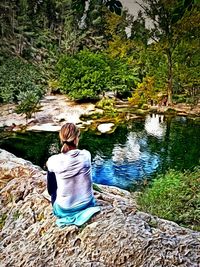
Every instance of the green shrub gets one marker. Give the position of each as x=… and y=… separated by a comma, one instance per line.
x=178, y=98
x=124, y=78
x=28, y=103
x=105, y=103
x=16, y=77
x=144, y=92
x=2, y=220
x=174, y=196
x=86, y=74
x=108, y=105
x=54, y=86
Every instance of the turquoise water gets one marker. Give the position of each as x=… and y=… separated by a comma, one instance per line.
x=127, y=158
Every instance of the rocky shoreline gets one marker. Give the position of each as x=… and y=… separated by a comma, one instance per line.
x=53, y=111
x=56, y=109
x=120, y=235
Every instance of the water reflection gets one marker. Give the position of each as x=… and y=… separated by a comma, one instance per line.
x=132, y=161
x=152, y=146
x=155, y=125
x=133, y=153
x=129, y=152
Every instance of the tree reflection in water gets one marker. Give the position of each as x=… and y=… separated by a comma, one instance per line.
x=147, y=150
x=132, y=154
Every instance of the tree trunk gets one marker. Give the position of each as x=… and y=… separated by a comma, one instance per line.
x=166, y=151
x=170, y=74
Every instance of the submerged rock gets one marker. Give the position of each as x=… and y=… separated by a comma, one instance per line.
x=118, y=236
x=47, y=127
x=105, y=127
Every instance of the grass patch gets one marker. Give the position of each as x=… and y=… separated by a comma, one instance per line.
x=174, y=196
x=97, y=188
x=2, y=220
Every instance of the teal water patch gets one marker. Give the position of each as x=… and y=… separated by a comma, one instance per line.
x=33, y=146
x=127, y=158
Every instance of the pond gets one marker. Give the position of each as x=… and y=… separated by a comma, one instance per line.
x=127, y=158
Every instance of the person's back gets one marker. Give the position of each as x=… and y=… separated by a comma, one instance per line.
x=73, y=176
x=69, y=179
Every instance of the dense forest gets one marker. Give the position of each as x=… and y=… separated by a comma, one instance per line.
x=84, y=48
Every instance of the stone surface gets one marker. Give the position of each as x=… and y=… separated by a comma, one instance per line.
x=105, y=127
x=54, y=110
x=57, y=109
x=119, y=235
x=46, y=127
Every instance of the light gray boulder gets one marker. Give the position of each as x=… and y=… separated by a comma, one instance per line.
x=119, y=235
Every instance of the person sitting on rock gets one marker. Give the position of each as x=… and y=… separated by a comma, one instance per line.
x=69, y=180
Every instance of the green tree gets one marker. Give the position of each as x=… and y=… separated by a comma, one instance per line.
x=124, y=77
x=118, y=44
x=87, y=74
x=168, y=18
x=145, y=92
x=84, y=75
x=138, y=30
x=187, y=55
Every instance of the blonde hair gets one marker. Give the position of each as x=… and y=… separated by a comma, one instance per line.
x=68, y=133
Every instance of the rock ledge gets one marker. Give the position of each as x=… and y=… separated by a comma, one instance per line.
x=118, y=236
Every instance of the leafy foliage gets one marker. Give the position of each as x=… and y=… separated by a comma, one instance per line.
x=28, y=21
x=114, y=6
x=168, y=18
x=41, y=31
x=187, y=68
x=144, y=92
x=174, y=196
x=106, y=103
x=108, y=106
x=124, y=77
x=87, y=74
x=17, y=77
x=154, y=64
x=28, y=103
x=84, y=75
x=138, y=31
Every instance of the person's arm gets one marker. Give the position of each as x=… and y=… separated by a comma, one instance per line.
x=51, y=185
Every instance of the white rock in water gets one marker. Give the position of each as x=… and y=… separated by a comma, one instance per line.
x=105, y=127
x=47, y=127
